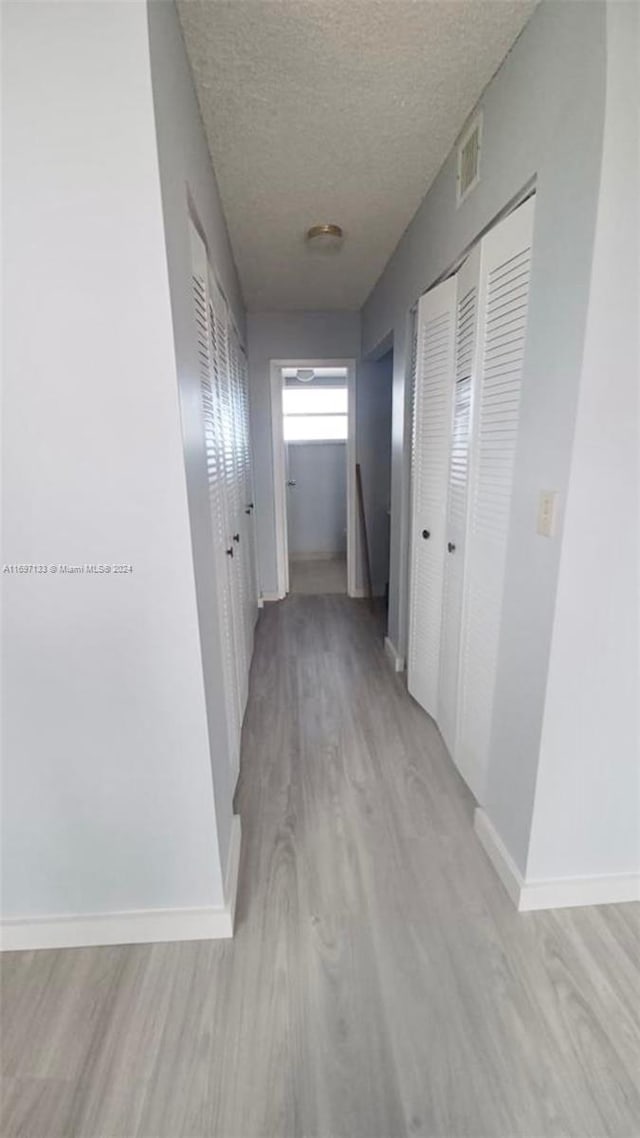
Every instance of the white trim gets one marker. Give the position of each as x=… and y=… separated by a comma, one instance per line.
x=142, y=926
x=351, y=481
x=498, y=855
x=396, y=660
x=279, y=477
x=571, y=892
x=279, y=481
x=266, y=598
x=555, y=893
x=233, y=870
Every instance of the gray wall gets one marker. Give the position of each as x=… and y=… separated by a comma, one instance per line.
x=373, y=451
x=285, y=335
x=188, y=184
x=587, y=809
x=317, y=504
x=107, y=788
x=543, y=118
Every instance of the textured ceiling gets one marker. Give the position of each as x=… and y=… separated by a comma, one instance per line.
x=317, y=110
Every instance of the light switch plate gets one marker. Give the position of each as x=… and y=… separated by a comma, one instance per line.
x=547, y=513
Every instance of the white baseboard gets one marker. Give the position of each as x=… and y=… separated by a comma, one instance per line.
x=233, y=869
x=396, y=661
x=269, y=597
x=555, y=893
x=498, y=855
x=144, y=926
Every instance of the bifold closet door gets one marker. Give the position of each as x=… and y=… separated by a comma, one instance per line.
x=236, y=499
x=210, y=335
x=249, y=493
x=456, y=523
x=243, y=509
x=505, y=266
x=436, y=324
x=234, y=644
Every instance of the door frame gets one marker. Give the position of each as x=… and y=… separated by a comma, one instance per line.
x=279, y=476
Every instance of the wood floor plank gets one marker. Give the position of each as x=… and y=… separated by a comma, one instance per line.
x=380, y=983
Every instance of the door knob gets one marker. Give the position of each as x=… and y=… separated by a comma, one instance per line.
x=236, y=537
x=451, y=547
x=292, y=482
x=426, y=534
x=229, y=551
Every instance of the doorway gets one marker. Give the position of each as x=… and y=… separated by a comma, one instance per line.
x=313, y=428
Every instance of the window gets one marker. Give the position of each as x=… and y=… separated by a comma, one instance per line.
x=315, y=414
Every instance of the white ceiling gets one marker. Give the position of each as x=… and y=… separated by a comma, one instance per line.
x=334, y=110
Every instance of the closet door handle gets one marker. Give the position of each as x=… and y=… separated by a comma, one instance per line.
x=291, y=482
x=229, y=551
x=236, y=537
x=451, y=547
x=426, y=534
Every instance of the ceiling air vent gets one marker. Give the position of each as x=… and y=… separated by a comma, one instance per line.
x=469, y=159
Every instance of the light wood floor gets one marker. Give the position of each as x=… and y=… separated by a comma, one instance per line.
x=380, y=983
x=317, y=576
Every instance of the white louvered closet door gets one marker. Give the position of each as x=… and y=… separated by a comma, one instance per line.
x=251, y=584
x=456, y=524
x=241, y=538
x=227, y=433
x=209, y=364
x=505, y=254
x=247, y=496
x=429, y=478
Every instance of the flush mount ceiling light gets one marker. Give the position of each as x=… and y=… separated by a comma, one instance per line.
x=305, y=374
x=325, y=237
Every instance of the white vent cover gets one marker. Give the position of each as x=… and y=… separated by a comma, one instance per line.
x=469, y=159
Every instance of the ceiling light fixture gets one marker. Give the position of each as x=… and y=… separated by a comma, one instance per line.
x=327, y=237
x=305, y=374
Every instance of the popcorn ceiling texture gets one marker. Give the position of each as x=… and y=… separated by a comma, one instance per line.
x=322, y=111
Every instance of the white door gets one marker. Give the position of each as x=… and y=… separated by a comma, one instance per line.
x=209, y=358
x=431, y=442
x=232, y=502
x=237, y=498
x=454, y=561
x=505, y=255
x=247, y=500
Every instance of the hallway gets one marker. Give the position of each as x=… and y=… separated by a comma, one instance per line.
x=380, y=982
x=313, y=577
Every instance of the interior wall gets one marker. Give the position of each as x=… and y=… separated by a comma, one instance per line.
x=107, y=793
x=590, y=750
x=317, y=504
x=188, y=184
x=295, y=336
x=543, y=118
x=373, y=452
